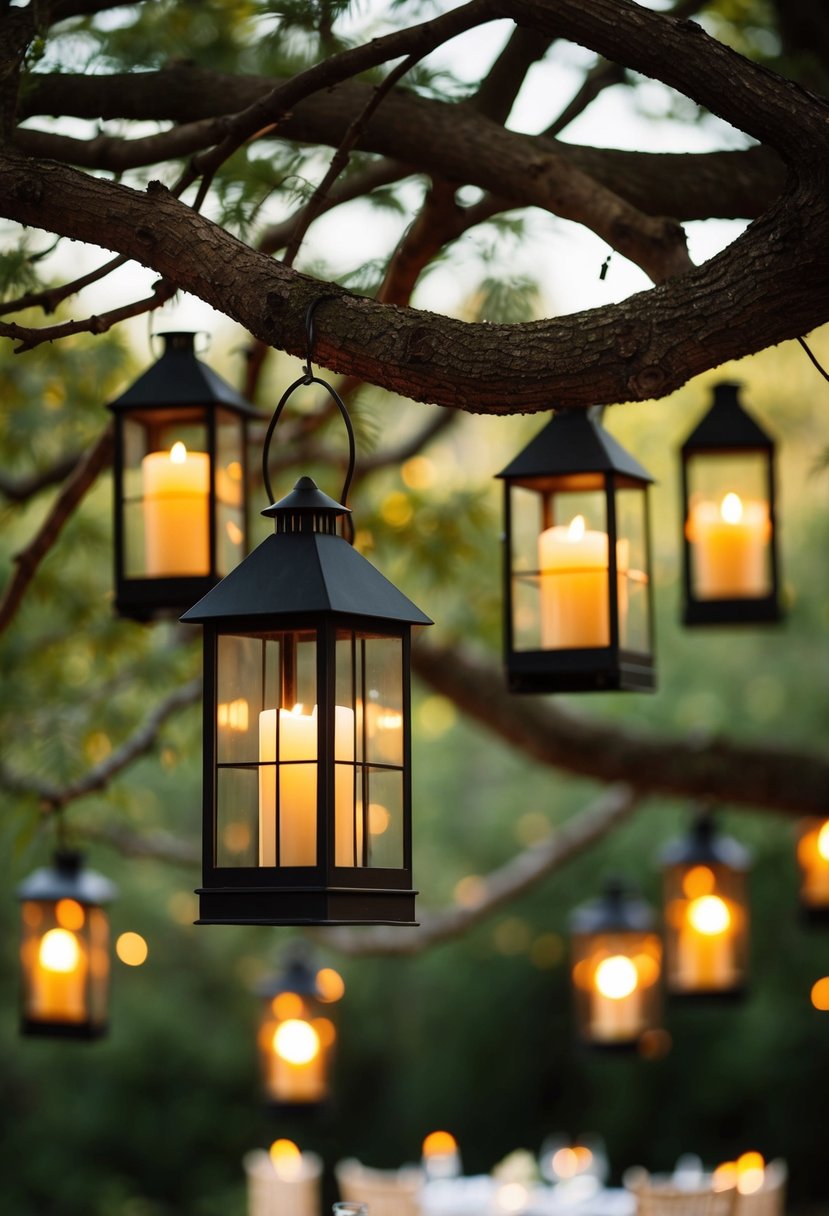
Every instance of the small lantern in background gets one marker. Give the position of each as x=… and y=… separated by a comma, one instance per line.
x=296, y=1034
x=307, y=789
x=440, y=1156
x=813, y=864
x=730, y=563
x=577, y=594
x=179, y=482
x=706, y=912
x=64, y=950
x=616, y=966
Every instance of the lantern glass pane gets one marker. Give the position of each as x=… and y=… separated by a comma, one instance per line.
x=369, y=750
x=98, y=964
x=573, y=570
x=706, y=928
x=166, y=494
x=728, y=525
x=267, y=745
x=55, y=959
x=616, y=986
x=632, y=570
x=230, y=491
x=294, y=1051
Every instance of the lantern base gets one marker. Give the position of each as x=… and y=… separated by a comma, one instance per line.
x=585, y=670
x=301, y=906
x=63, y=1030
x=707, y=996
x=149, y=599
x=765, y=611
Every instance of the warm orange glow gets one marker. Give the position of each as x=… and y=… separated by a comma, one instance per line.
x=750, y=1172
x=823, y=841
x=378, y=818
x=616, y=977
x=132, y=949
x=330, y=985
x=647, y=968
x=439, y=1144
x=565, y=1163
x=725, y=1176
x=286, y=1159
x=709, y=915
x=69, y=914
x=287, y=1005
x=234, y=533
x=325, y=1030
x=59, y=951
x=698, y=881
x=820, y=994
x=234, y=715
x=584, y=1157
x=296, y=1042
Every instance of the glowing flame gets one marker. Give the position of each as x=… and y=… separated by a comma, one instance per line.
x=750, y=1173
x=616, y=977
x=296, y=1042
x=576, y=530
x=731, y=509
x=823, y=841
x=439, y=1144
x=286, y=1158
x=59, y=951
x=178, y=452
x=709, y=915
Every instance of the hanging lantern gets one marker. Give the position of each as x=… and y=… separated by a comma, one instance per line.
x=706, y=913
x=616, y=966
x=307, y=789
x=297, y=1034
x=730, y=561
x=578, y=613
x=64, y=950
x=813, y=864
x=179, y=483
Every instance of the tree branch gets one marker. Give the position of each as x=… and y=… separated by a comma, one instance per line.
x=51, y=297
x=21, y=489
x=100, y=323
x=795, y=783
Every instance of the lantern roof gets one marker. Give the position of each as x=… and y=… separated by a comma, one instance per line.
x=179, y=378
x=727, y=424
x=704, y=845
x=67, y=878
x=619, y=909
x=304, y=571
x=573, y=442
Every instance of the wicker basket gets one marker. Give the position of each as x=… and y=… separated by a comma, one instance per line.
x=657, y=1198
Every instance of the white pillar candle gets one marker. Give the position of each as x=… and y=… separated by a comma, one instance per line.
x=58, y=978
x=705, y=946
x=176, y=487
x=296, y=1063
x=615, y=1001
x=729, y=544
x=278, y=1187
x=298, y=787
x=573, y=565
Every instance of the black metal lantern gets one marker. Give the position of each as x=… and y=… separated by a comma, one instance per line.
x=296, y=1035
x=813, y=866
x=307, y=786
x=616, y=966
x=577, y=587
x=180, y=472
x=706, y=912
x=730, y=563
x=64, y=950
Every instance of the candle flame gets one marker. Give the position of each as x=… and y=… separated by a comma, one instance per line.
x=59, y=951
x=750, y=1173
x=709, y=915
x=616, y=977
x=731, y=508
x=576, y=530
x=286, y=1158
x=178, y=452
x=439, y=1144
x=823, y=841
x=296, y=1042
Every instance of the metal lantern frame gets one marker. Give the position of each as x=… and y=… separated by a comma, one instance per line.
x=574, y=453
x=727, y=429
x=306, y=586
x=69, y=899
x=178, y=390
x=296, y=978
x=621, y=922
x=699, y=968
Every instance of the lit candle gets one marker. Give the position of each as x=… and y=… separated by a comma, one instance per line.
x=813, y=855
x=729, y=543
x=296, y=1062
x=59, y=978
x=705, y=947
x=574, y=598
x=440, y=1155
x=298, y=787
x=615, y=1001
x=176, y=487
x=283, y=1180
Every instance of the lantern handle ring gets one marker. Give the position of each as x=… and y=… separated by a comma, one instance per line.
x=308, y=378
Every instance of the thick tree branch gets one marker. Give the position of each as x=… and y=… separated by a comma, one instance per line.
x=50, y=297
x=499, y=888
x=796, y=783
x=27, y=562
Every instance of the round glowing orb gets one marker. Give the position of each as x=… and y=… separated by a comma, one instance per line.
x=132, y=949
x=59, y=951
x=438, y=1144
x=616, y=977
x=709, y=915
x=699, y=880
x=330, y=984
x=731, y=508
x=69, y=914
x=296, y=1042
x=286, y=1158
x=565, y=1163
